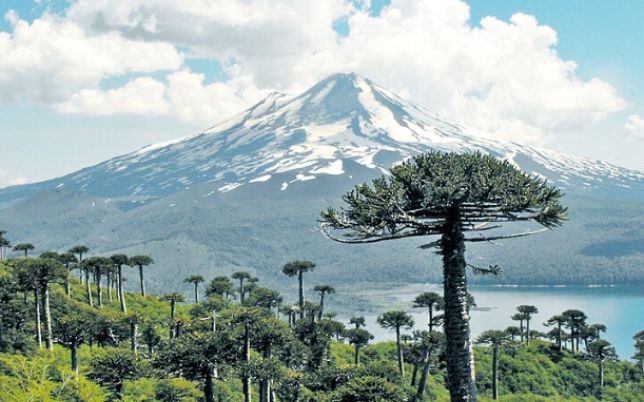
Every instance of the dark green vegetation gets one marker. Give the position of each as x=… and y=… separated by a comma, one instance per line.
x=222, y=350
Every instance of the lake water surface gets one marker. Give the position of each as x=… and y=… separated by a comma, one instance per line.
x=620, y=309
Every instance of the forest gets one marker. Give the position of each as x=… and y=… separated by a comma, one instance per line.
x=70, y=332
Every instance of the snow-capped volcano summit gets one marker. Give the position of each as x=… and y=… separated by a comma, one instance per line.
x=247, y=193
x=343, y=118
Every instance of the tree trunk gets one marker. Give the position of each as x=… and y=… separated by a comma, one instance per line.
x=47, y=311
x=88, y=288
x=246, y=379
x=74, y=357
x=196, y=293
x=209, y=388
x=457, y=329
x=430, y=314
x=321, y=306
x=242, y=293
x=521, y=330
x=141, y=280
x=527, y=332
x=495, y=372
x=601, y=374
x=99, y=289
x=37, y=314
x=172, y=307
x=133, y=335
x=122, y=296
x=68, y=290
x=300, y=278
x=423, y=377
x=356, y=357
x=414, y=374
x=559, y=336
x=399, y=353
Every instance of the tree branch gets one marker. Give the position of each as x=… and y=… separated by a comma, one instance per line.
x=512, y=236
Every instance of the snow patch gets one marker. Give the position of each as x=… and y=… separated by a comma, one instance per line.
x=229, y=187
x=260, y=179
x=334, y=168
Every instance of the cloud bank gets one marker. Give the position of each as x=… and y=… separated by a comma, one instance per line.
x=504, y=77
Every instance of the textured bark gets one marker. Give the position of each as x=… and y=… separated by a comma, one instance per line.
x=141, y=280
x=457, y=329
x=196, y=293
x=414, y=374
x=431, y=317
x=121, y=295
x=134, y=329
x=527, y=331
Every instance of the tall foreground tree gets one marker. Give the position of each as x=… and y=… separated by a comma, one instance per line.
x=396, y=320
x=639, y=349
x=141, y=261
x=447, y=195
x=298, y=268
x=79, y=250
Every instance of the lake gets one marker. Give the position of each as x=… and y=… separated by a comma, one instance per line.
x=620, y=309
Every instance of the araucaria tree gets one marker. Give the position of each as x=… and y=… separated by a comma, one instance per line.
x=241, y=276
x=141, y=261
x=431, y=301
x=527, y=311
x=24, y=247
x=396, y=320
x=323, y=290
x=495, y=339
x=447, y=195
x=298, y=268
x=195, y=280
x=119, y=260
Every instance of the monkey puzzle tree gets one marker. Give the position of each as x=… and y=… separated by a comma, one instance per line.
x=323, y=290
x=71, y=331
x=220, y=286
x=357, y=321
x=395, y=320
x=4, y=243
x=67, y=259
x=79, y=250
x=141, y=261
x=520, y=317
x=298, y=268
x=559, y=320
x=447, y=195
x=639, y=349
x=602, y=350
x=241, y=276
x=48, y=271
x=575, y=320
x=513, y=332
x=495, y=339
x=195, y=280
x=113, y=368
x=432, y=301
x=173, y=298
x=429, y=343
x=357, y=337
x=119, y=260
x=98, y=266
x=24, y=247
x=527, y=311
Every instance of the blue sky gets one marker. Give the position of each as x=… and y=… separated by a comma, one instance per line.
x=55, y=122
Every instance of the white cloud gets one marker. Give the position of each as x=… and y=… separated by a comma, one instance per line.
x=50, y=59
x=503, y=77
x=635, y=127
